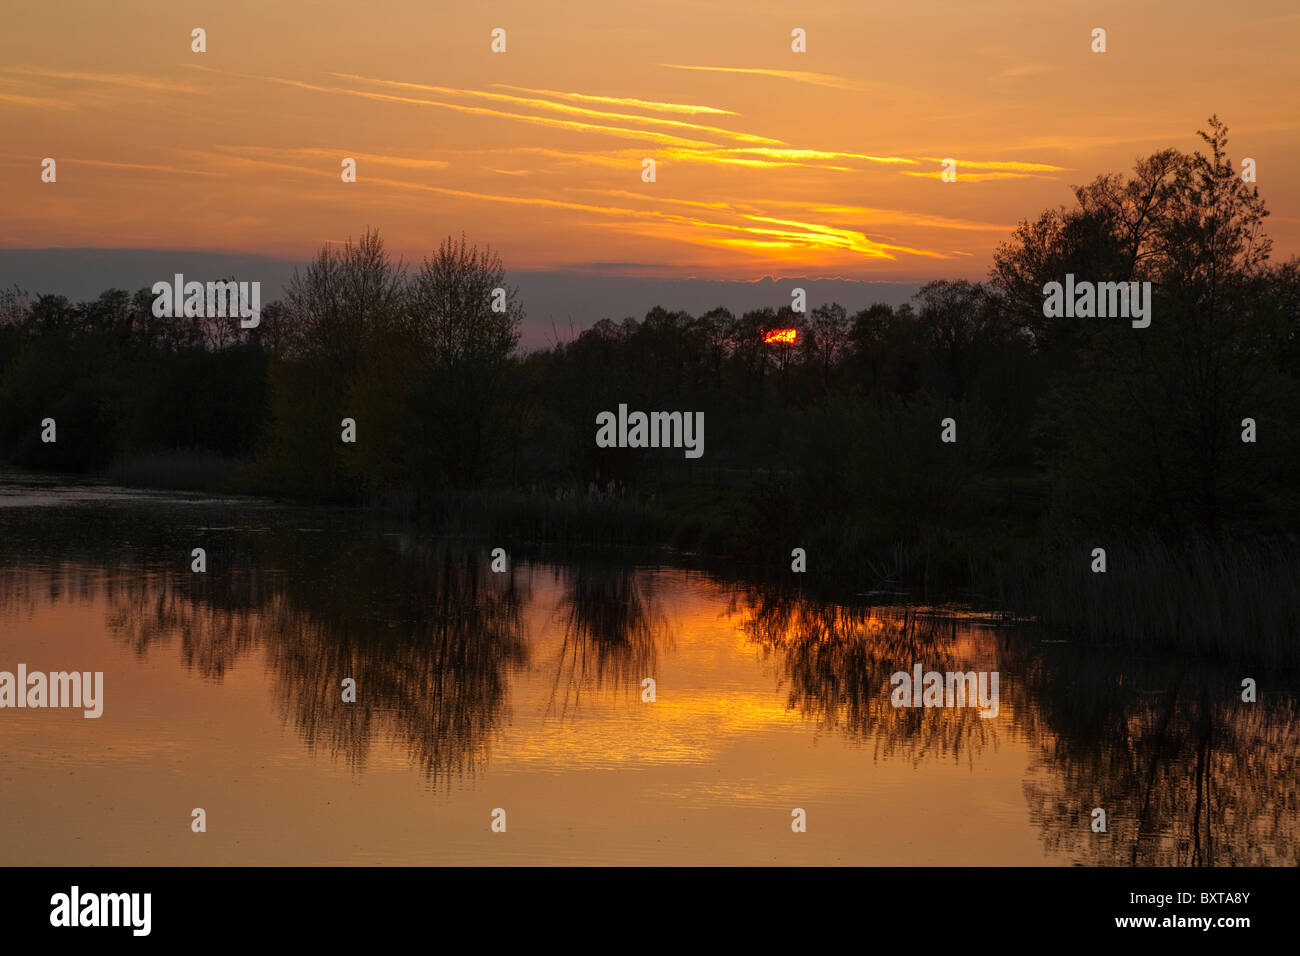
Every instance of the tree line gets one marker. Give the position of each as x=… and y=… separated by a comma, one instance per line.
x=1060, y=422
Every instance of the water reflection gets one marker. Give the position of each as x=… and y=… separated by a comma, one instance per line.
x=612, y=627
x=1187, y=773
x=838, y=661
x=428, y=633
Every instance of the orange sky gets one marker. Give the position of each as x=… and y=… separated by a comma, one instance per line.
x=769, y=161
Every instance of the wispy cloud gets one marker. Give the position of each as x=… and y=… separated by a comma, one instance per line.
x=1005, y=165
x=900, y=217
x=807, y=241
x=963, y=177
x=622, y=159
x=39, y=102
x=624, y=132
x=727, y=158
x=798, y=76
x=134, y=80
x=538, y=103
x=631, y=158
x=752, y=232
x=835, y=238
x=338, y=153
x=627, y=194
x=1022, y=70
x=818, y=154
x=620, y=101
x=72, y=161
x=614, y=159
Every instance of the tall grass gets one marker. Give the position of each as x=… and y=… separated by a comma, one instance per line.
x=1226, y=599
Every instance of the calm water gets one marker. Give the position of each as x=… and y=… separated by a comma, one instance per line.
x=523, y=691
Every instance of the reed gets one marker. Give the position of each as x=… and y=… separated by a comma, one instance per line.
x=1212, y=598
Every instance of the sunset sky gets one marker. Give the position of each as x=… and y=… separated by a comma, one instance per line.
x=770, y=162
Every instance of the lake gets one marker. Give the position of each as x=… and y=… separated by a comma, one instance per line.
x=522, y=696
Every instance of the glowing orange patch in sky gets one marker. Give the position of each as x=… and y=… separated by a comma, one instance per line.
x=780, y=335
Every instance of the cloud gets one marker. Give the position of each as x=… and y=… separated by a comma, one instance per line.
x=970, y=177
x=818, y=154
x=626, y=194
x=537, y=103
x=625, y=133
x=725, y=158
x=622, y=159
x=1025, y=69
x=1010, y=166
x=614, y=159
x=133, y=80
x=756, y=232
x=621, y=101
x=901, y=217
x=834, y=237
x=798, y=76
x=339, y=153
x=65, y=161
x=40, y=102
